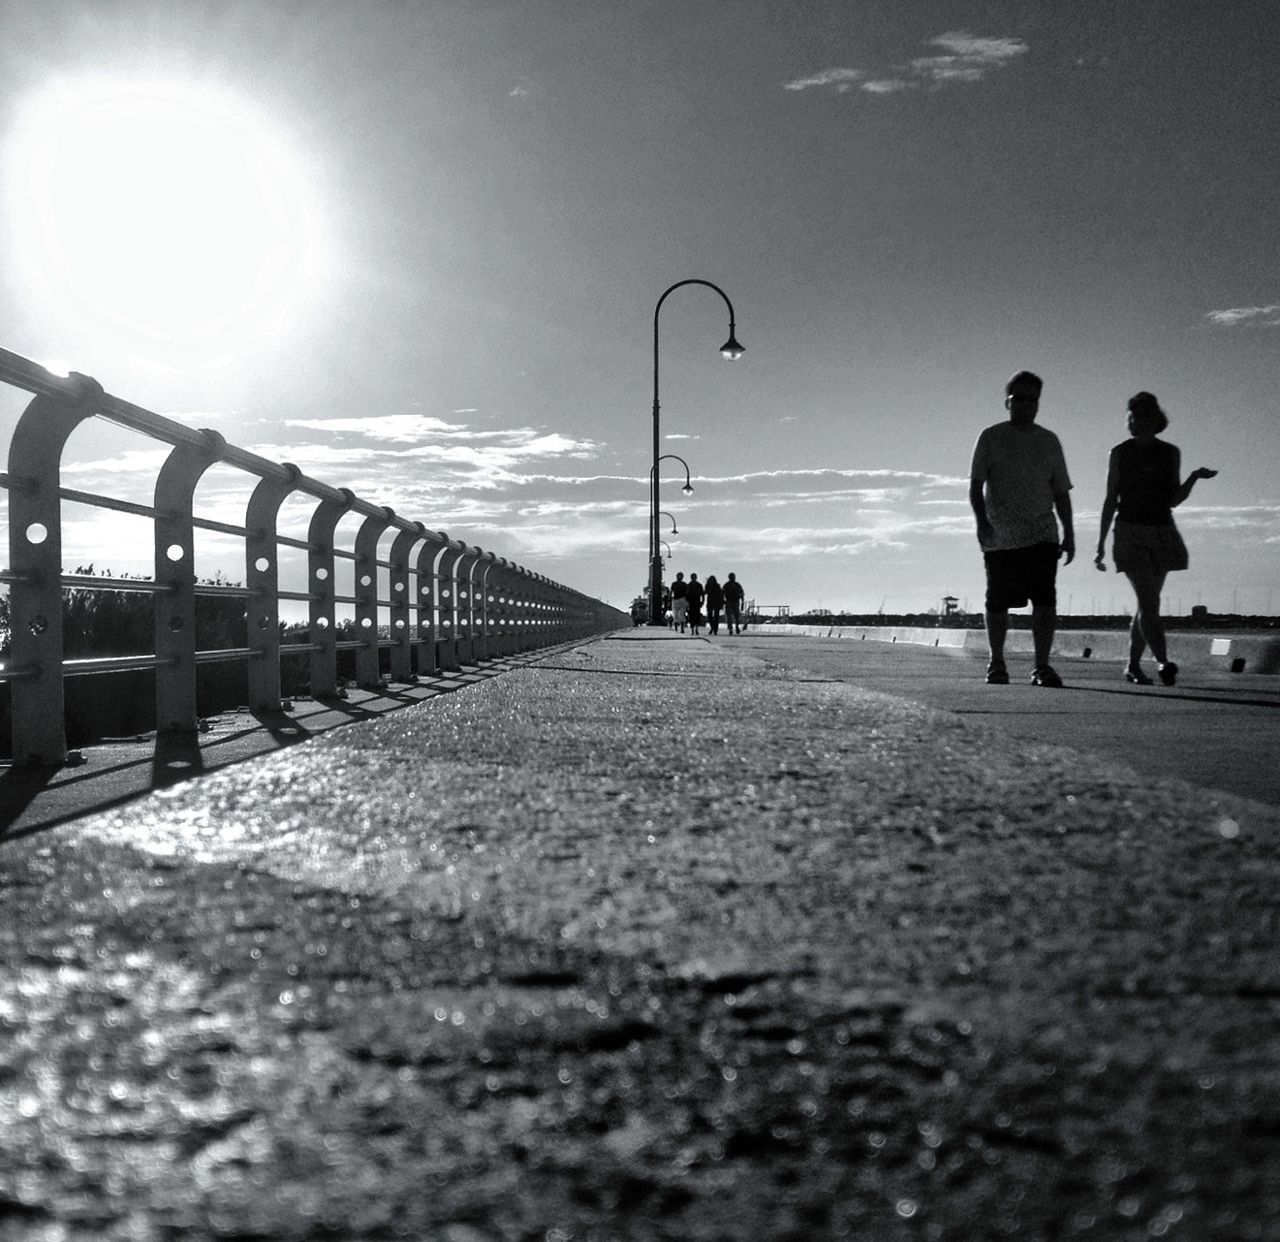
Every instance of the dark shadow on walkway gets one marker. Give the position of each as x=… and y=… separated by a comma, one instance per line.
x=118, y=770
x=19, y=788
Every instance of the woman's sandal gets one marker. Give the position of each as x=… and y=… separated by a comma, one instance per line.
x=1168, y=672
x=1137, y=677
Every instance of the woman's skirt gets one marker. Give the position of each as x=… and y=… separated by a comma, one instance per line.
x=1148, y=549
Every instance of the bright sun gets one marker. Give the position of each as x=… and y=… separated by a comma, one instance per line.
x=171, y=214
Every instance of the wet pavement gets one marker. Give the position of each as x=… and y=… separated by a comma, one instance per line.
x=649, y=938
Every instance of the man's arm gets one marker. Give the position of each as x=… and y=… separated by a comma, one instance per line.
x=978, y=467
x=978, y=502
x=1062, y=503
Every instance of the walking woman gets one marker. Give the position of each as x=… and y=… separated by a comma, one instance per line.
x=1143, y=489
x=715, y=603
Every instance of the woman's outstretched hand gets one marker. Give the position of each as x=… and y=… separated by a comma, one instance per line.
x=1203, y=472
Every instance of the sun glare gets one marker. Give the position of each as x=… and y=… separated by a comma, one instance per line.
x=173, y=215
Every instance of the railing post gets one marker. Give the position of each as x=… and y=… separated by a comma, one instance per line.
x=428, y=602
x=368, y=666
x=401, y=632
x=447, y=652
x=527, y=611
x=35, y=556
x=320, y=610
x=551, y=626
x=262, y=574
x=175, y=602
x=500, y=611
x=485, y=606
x=468, y=616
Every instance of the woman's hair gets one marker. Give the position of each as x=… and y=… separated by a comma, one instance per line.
x=1146, y=403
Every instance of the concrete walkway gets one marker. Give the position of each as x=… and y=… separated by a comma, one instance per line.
x=647, y=939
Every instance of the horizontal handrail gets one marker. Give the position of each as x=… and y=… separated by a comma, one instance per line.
x=426, y=603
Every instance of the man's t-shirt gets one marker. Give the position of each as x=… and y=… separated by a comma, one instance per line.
x=1021, y=469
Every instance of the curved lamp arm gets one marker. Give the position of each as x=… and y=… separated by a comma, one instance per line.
x=731, y=349
x=688, y=479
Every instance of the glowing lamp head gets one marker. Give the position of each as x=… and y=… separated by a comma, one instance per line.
x=731, y=350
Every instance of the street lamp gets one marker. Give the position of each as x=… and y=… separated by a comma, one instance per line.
x=664, y=513
x=730, y=350
x=688, y=483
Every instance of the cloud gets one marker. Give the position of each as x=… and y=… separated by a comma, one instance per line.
x=395, y=443
x=968, y=58
x=1231, y=517
x=964, y=58
x=841, y=79
x=1257, y=316
x=144, y=463
x=395, y=427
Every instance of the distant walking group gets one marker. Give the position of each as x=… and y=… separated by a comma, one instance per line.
x=686, y=601
x=1017, y=483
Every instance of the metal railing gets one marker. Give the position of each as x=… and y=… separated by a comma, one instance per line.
x=448, y=603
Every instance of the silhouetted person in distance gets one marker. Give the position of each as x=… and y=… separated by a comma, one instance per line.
x=694, y=596
x=1017, y=480
x=715, y=604
x=679, y=603
x=666, y=607
x=1143, y=489
x=733, y=595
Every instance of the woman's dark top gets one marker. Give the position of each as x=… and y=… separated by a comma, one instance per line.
x=715, y=596
x=1148, y=481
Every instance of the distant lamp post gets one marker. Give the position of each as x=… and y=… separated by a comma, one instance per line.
x=730, y=350
x=664, y=513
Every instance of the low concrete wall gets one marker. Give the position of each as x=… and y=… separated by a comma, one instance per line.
x=1240, y=653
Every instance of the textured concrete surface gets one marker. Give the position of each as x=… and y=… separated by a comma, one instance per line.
x=1245, y=651
x=649, y=939
x=1215, y=728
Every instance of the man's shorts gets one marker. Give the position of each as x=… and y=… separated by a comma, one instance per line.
x=1021, y=574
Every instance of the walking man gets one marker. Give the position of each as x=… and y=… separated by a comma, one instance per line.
x=1017, y=481
x=733, y=594
x=693, y=596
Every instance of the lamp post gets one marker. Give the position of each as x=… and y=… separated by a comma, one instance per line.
x=730, y=350
x=687, y=489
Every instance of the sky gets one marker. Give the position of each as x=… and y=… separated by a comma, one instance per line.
x=416, y=249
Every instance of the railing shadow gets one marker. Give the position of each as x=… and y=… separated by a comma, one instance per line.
x=119, y=771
